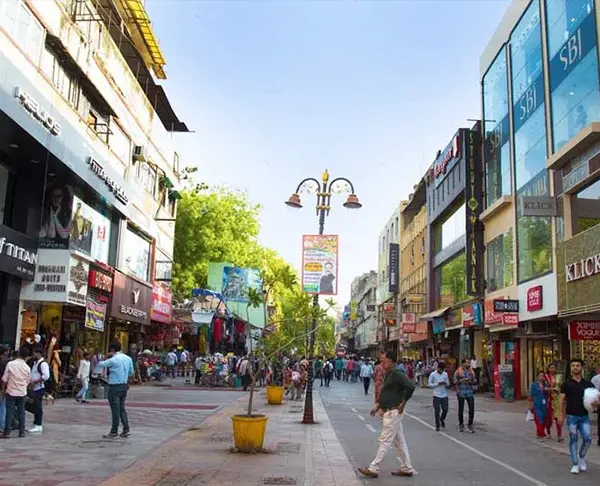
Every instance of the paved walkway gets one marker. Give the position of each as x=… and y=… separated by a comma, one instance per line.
x=72, y=452
x=297, y=454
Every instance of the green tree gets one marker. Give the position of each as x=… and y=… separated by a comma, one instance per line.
x=212, y=226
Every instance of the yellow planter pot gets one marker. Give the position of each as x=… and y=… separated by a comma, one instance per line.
x=274, y=395
x=249, y=432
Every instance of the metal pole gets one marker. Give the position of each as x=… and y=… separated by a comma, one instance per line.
x=309, y=417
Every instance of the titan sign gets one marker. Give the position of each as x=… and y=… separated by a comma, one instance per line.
x=586, y=267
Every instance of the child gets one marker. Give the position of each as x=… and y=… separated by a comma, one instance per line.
x=83, y=376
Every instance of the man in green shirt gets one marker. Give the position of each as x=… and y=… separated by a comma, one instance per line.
x=397, y=390
x=319, y=370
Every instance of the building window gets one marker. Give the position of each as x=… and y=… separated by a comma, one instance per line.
x=452, y=281
x=497, y=140
x=22, y=25
x=573, y=61
x=499, y=254
x=451, y=229
x=534, y=234
x=147, y=177
x=585, y=207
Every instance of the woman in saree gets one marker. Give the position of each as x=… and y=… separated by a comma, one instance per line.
x=538, y=404
x=554, y=382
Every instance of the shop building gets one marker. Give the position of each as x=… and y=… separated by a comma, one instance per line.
x=388, y=279
x=413, y=283
x=541, y=107
x=88, y=127
x=363, y=292
x=454, y=249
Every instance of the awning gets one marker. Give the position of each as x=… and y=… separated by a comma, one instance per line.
x=434, y=314
x=166, y=182
x=174, y=194
x=502, y=328
x=454, y=328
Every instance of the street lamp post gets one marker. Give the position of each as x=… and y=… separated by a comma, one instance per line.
x=323, y=189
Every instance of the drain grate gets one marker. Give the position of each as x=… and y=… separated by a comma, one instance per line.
x=176, y=480
x=102, y=444
x=296, y=410
x=288, y=448
x=279, y=480
x=221, y=437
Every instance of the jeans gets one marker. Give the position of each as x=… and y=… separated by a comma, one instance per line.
x=461, y=410
x=85, y=385
x=117, y=394
x=392, y=434
x=197, y=379
x=2, y=412
x=579, y=426
x=38, y=416
x=440, y=404
x=366, y=384
x=15, y=406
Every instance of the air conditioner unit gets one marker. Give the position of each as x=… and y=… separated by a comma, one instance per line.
x=140, y=153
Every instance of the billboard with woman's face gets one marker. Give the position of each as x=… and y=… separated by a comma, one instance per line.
x=56, y=217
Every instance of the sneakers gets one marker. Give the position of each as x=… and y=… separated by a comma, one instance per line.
x=437, y=428
x=125, y=434
x=110, y=436
x=461, y=428
x=471, y=429
x=36, y=429
x=575, y=469
x=583, y=466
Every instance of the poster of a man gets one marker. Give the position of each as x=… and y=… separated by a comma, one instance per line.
x=327, y=279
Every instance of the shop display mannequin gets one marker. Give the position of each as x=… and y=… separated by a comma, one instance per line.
x=53, y=357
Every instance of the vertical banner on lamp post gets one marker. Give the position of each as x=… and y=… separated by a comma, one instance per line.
x=319, y=264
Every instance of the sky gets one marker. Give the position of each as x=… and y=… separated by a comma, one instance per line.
x=276, y=91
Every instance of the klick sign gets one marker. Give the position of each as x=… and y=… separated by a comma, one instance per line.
x=586, y=267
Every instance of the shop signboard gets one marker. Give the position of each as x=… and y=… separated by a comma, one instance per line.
x=389, y=310
x=100, y=281
x=237, y=283
x=475, y=249
x=535, y=300
x=394, y=271
x=320, y=264
x=506, y=305
x=510, y=319
x=18, y=253
x=584, y=330
x=131, y=299
x=442, y=165
x=95, y=315
x=471, y=315
x=409, y=327
x=491, y=315
x=546, y=206
x=59, y=277
x=162, y=304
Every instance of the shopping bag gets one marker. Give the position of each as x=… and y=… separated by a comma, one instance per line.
x=590, y=397
x=529, y=416
x=31, y=405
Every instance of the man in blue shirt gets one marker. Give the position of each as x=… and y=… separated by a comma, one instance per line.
x=465, y=379
x=439, y=382
x=121, y=370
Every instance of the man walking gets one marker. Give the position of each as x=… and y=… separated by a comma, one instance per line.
x=439, y=382
x=120, y=367
x=465, y=380
x=578, y=420
x=397, y=390
x=15, y=381
x=366, y=372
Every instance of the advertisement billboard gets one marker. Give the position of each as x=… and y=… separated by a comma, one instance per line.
x=394, y=262
x=474, y=206
x=320, y=264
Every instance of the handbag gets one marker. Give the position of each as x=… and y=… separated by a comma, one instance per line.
x=31, y=404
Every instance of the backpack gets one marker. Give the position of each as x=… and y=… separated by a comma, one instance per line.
x=50, y=383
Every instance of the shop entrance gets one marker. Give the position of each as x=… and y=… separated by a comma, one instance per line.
x=540, y=354
x=507, y=373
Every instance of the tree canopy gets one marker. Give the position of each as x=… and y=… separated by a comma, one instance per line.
x=221, y=225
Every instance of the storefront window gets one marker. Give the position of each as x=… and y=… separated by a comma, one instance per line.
x=451, y=229
x=572, y=50
x=453, y=283
x=499, y=253
x=497, y=141
x=136, y=254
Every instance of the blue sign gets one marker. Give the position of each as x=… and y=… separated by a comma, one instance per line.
x=439, y=325
x=579, y=43
x=477, y=314
x=237, y=282
x=531, y=99
x=27, y=106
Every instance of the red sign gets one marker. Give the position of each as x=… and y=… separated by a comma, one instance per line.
x=492, y=317
x=409, y=317
x=162, y=304
x=409, y=327
x=584, y=330
x=100, y=281
x=510, y=319
x=440, y=167
x=468, y=316
x=534, y=299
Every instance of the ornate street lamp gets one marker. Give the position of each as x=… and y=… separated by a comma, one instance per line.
x=323, y=190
